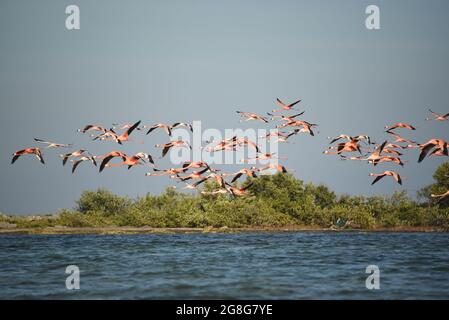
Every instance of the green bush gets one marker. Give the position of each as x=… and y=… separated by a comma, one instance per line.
x=277, y=200
x=102, y=201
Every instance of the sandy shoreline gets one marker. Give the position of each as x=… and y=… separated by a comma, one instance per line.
x=144, y=230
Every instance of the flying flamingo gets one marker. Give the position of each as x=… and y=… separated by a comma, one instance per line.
x=438, y=117
x=239, y=192
x=439, y=144
x=264, y=156
x=400, y=138
x=375, y=155
x=381, y=159
x=438, y=153
x=251, y=172
x=110, y=134
x=82, y=159
x=164, y=126
x=251, y=116
x=177, y=143
x=276, y=167
x=226, y=144
x=284, y=106
x=284, y=117
x=379, y=176
x=195, y=164
x=109, y=156
x=306, y=126
x=52, y=144
x=394, y=146
x=400, y=125
x=75, y=154
x=364, y=138
x=125, y=136
x=217, y=177
x=123, y=126
x=392, y=151
x=350, y=146
x=215, y=192
x=195, y=175
x=36, y=151
x=92, y=127
x=440, y=197
x=166, y=172
x=182, y=124
x=131, y=161
x=245, y=141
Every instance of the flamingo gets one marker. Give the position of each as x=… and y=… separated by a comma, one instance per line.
x=82, y=159
x=439, y=144
x=177, y=143
x=245, y=141
x=350, y=146
x=164, y=126
x=92, y=127
x=284, y=106
x=281, y=138
x=274, y=134
x=166, y=172
x=36, y=151
x=109, y=156
x=182, y=124
x=392, y=151
x=191, y=186
x=75, y=154
x=400, y=138
x=441, y=196
x=123, y=126
x=381, y=159
x=52, y=144
x=195, y=164
x=438, y=117
x=110, y=134
x=277, y=167
x=306, y=126
x=375, y=155
x=125, y=136
x=284, y=117
x=358, y=138
x=394, y=146
x=195, y=175
x=112, y=153
x=251, y=172
x=251, y=116
x=215, y=192
x=379, y=176
x=400, y=125
x=130, y=161
x=217, y=177
x=438, y=153
x=239, y=192
x=226, y=144
x=264, y=156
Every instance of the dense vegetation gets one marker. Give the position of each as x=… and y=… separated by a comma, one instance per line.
x=278, y=200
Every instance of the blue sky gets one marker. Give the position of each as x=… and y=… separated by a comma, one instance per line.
x=202, y=60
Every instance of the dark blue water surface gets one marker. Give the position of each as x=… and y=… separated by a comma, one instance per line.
x=212, y=266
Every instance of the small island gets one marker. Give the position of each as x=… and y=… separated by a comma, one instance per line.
x=277, y=203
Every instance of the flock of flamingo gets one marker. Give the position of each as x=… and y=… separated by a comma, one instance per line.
x=366, y=149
